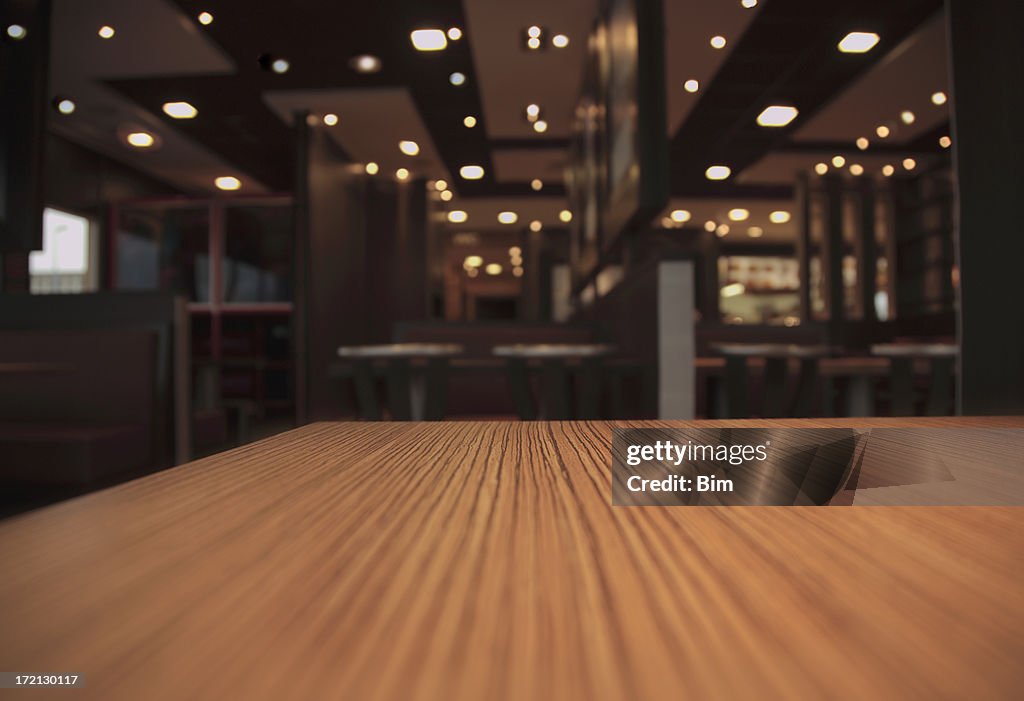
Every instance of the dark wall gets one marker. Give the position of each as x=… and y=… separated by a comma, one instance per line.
x=362, y=264
x=396, y=228
x=987, y=103
x=24, y=94
x=86, y=182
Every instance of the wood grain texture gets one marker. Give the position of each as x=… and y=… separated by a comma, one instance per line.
x=484, y=561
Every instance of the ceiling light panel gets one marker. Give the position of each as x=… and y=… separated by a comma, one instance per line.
x=429, y=40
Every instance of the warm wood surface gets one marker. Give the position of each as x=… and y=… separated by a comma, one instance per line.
x=483, y=561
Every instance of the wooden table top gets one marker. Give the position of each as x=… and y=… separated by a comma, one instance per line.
x=484, y=561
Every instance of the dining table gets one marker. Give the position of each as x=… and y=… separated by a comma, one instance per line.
x=485, y=560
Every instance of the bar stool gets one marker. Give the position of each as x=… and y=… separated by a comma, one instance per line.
x=733, y=398
x=941, y=358
x=415, y=374
x=555, y=402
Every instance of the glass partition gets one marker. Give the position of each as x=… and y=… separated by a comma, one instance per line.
x=163, y=247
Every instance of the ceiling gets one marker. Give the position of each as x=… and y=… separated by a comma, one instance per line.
x=780, y=51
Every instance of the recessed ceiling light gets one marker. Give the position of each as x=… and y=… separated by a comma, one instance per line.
x=565, y=216
x=739, y=214
x=856, y=169
x=888, y=170
x=777, y=116
x=16, y=31
x=428, y=39
x=409, y=148
x=205, y=18
x=471, y=172
x=372, y=168
x=457, y=78
x=64, y=105
x=540, y=126
x=446, y=195
x=863, y=143
x=779, y=216
x=106, y=31
x=180, y=110
x=717, y=42
x=680, y=215
x=402, y=174
x=469, y=121
x=722, y=230
x=821, y=168
x=457, y=216
x=717, y=172
x=280, y=66
x=536, y=225
x=945, y=141
x=909, y=163
x=858, y=42
x=517, y=271
x=560, y=41
x=882, y=131
x=508, y=217
x=312, y=120
x=473, y=261
x=691, y=85
x=838, y=161
x=532, y=112
x=365, y=63
x=228, y=182
x=493, y=269
x=533, y=43
x=472, y=272
x=537, y=184
x=939, y=98
x=440, y=185
x=755, y=232
x=330, y=119
x=533, y=32
x=710, y=226
x=454, y=33
x=140, y=139
x=907, y=117
x=748, y=3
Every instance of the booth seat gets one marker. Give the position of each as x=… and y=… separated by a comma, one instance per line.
x=82, y=408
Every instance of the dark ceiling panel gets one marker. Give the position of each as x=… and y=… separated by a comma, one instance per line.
x=787, y=56
x=318, y=39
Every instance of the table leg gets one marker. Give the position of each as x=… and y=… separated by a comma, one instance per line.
x=859, y=397
x=366, y=393
x=941, y=390
x=806, y=387
x=590, y=389
x=555, y=390
x=901, y=386
x=519, y=387
x=437, y=388
x=735, y=387
x=399, y=384
x=775, y=371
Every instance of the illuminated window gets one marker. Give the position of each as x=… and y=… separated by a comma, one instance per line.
x=67, y=261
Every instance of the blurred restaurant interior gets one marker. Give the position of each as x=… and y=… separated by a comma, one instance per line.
x=221, y=219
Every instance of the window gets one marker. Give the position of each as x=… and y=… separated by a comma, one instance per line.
x=67, y=262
